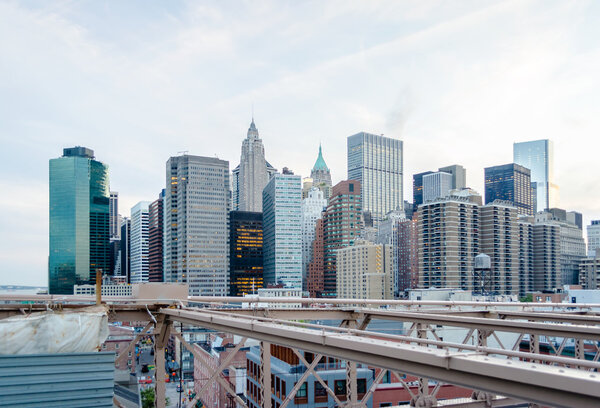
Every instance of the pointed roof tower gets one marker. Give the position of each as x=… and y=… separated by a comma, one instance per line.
x=320, y=163
x=252, y=130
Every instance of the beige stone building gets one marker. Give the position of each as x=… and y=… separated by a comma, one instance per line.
x=364, y=271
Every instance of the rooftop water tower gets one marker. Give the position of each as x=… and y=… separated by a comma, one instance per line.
x=482, y=275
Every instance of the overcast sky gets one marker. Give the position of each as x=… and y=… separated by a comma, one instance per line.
x=139, y=81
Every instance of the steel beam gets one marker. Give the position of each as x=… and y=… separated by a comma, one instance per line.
x=541, y=384
x=265, y=374
x=163, y=330
x=544, y=329
x=309, y=370
x=216, y=374
x=425, y=341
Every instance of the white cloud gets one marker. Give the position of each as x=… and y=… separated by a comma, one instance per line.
x=459, y=83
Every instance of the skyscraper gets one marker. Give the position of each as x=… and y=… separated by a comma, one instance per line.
x=457, y=181
x=321, y=176
x=526, y=255
x=510, y=182
x=312, y=209
x=376, y=162
x=572, y=245
x=448, y=240
x=499, y=239
x=245, y=252
x=124, y=260
x=538, y=156
x=593, y=235
x=282, y=231
x=401, y=233
x=155, y=238
x=436, y=185
x=315, y=282
x=114, y=230
x=139, y=242
x=113, y=215
x=196, y=233
x=341, y=227
x=459, y=176
x=79, y=220
x=252, y=174
x=546, y=256
x=418, y=188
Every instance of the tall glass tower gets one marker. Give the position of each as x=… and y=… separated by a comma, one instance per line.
x=282, y=231
x=538, y=156
x=376, y=162
x=79, y=221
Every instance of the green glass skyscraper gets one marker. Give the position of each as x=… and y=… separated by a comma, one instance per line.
x=79, y=220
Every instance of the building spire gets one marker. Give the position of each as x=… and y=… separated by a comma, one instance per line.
x=320, y=163
x=252, y=130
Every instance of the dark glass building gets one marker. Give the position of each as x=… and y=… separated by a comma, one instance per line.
x=418, y=189
x=246, y=252
x=79, y=220
x=510, y=182
x=125, y=248
x=155, y=239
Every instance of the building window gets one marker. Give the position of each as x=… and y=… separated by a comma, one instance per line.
x=361, y=386
x=339, y=388
x=320, y=392
x=302, y=394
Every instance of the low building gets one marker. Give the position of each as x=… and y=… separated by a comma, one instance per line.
x=286, y=370
x=275, y=292
x=548, y=297
x=118, y=340
x=212, y=354
x=442, y=294
x=578, y=295
x=391, y=392
x=107, y=290
x=146, y=290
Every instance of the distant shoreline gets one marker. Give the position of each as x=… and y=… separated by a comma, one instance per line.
x=21, y=289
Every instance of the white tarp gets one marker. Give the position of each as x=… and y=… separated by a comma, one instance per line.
x=82, y=330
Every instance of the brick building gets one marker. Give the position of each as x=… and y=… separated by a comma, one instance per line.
x=213, y=353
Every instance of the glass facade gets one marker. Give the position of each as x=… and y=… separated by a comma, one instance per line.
x=510, y=182
x=418, y=188
x=245, y=253
x=538, y=156
x=376, y=162
x=79, y=220
x=282, y=231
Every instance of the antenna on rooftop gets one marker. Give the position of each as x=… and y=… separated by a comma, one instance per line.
x=183, y=152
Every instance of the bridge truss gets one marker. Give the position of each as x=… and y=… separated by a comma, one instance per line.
x=507, y=352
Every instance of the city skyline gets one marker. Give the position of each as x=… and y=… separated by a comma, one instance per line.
x=98, y=90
